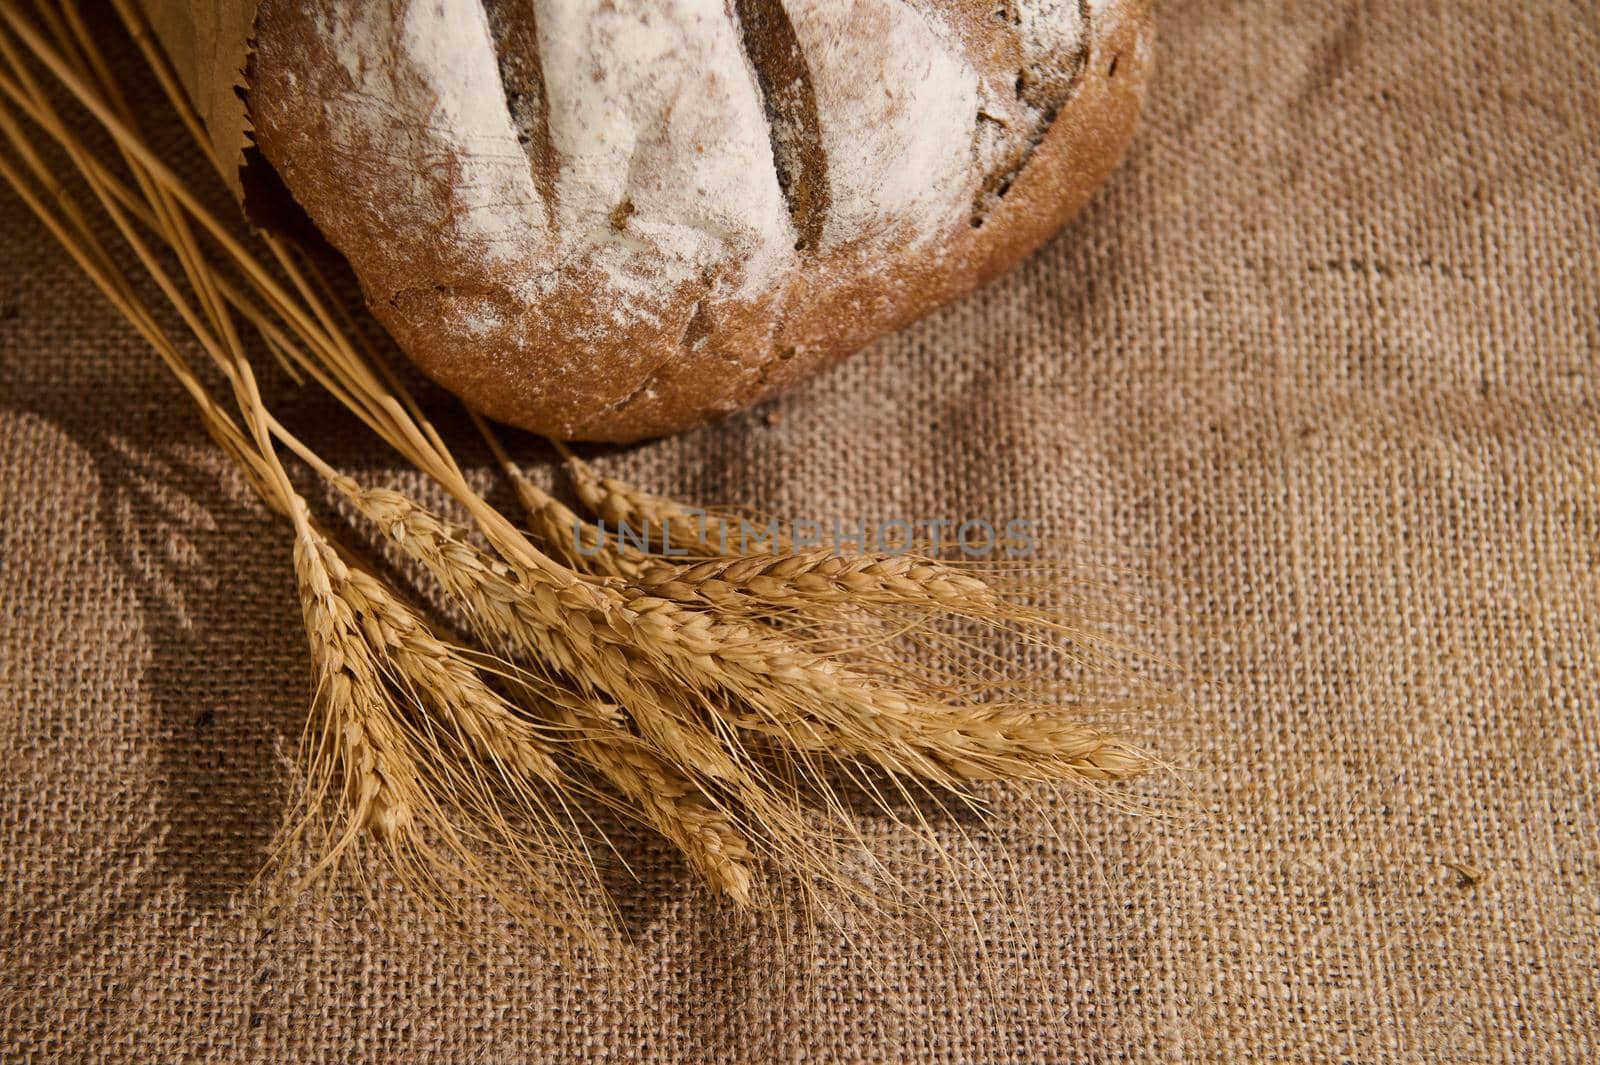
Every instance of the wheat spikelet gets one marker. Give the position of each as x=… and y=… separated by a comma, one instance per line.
x=628, y=639
x=822, y=580
x=480, y=720
x=355, y=750
x=432, y=764
x=839, y=601
x=564, y=624
x=805, y=701
x=664, y=799
x=380, y=782
x=579, y=543
x=813, y=702
x=498, y=600
x=679, y=692
x=702, y=533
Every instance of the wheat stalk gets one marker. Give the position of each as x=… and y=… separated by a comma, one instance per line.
x=705, y=533
x=561, y=530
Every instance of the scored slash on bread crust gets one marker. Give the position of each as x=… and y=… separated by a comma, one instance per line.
x=614, y=219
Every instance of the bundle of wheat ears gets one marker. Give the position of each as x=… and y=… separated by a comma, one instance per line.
x=747, y=708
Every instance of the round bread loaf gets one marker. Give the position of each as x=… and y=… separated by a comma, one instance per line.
x=614, y=219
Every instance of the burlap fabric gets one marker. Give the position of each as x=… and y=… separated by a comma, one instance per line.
x=1323, y=359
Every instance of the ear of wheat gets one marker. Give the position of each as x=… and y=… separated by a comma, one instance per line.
x=738, y=705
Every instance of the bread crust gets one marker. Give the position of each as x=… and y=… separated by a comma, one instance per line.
x=572, y=349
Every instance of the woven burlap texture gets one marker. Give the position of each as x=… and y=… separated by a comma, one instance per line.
x=1322, y=360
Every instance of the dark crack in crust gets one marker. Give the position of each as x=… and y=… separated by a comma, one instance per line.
x=700, y=353
x=516, y=33
x=790, y=102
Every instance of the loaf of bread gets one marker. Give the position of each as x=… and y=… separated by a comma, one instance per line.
x=614, y=219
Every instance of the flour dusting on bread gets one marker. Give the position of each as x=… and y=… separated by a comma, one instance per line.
x=665, y=166
x=423, y=89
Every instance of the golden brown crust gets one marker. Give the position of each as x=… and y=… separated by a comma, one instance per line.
x=566, y=364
